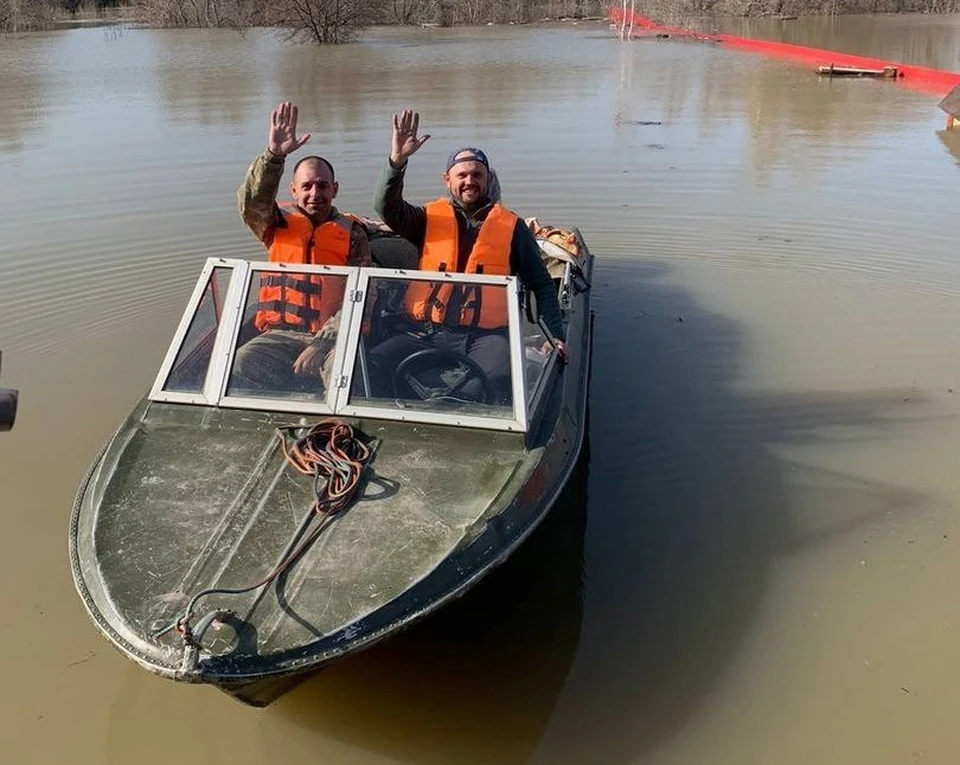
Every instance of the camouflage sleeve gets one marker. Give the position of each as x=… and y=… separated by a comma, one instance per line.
x=359, y=247
x=257, y=195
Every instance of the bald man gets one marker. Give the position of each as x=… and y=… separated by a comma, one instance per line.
x=298, y=324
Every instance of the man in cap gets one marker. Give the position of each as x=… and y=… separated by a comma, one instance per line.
x=298, y=324
x=451, y=234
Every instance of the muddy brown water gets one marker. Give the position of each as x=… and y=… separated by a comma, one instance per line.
x=760, y=562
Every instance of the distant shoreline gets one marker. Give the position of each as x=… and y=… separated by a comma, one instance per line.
x=115, y=19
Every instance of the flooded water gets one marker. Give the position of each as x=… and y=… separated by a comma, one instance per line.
x=760, y=564
x=930, y=40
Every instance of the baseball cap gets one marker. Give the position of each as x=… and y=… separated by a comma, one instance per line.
x=475, y=155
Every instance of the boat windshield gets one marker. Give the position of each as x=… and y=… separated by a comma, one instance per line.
x=411, y=345
x=287, y=337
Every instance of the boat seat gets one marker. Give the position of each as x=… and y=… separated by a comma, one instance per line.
x=393, y=251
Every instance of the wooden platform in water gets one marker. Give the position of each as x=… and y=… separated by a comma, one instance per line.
x=887, y=72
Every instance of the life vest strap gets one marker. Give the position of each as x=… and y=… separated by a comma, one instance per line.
x=303, y=312
x=307, y=285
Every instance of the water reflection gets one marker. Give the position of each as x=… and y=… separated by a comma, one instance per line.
x=692, y=520
x=951, y=142
x=929, y=40
x=779, y=113
x=24, y=85
x=440, y=73
x=695, y=506
x=210, y=77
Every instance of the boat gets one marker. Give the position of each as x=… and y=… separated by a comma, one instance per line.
x=244, y=533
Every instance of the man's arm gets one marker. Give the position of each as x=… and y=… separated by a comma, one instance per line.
x=527, y=263
x=402, y=217
x=257, y=195
x=405, y=219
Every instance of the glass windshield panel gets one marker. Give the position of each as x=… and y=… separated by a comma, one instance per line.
x=193, y=359
x=436, y=347
x=285, y=347
x=537, y=352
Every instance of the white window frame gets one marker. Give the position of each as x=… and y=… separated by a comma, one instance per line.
x=238, y=268
x=519, y=420
x=326, y=405
x=544, y=381
x=337, y=398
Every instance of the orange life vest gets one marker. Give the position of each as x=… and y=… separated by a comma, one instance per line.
x=298, y=301
x=483, y=307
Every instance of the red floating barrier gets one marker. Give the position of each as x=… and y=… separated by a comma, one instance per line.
x=921, y=78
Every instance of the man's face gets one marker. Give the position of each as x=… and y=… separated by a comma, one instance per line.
x=314, y=189
x=467, y=182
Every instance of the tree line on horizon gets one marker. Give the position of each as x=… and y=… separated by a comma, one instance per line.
x=325, y=21
x=335, y=21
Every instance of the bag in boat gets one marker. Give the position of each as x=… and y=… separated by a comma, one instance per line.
x=557, y=246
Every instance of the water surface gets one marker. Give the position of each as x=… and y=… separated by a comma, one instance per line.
x=760, y=565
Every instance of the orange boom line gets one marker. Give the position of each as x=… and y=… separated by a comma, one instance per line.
x=938, y=81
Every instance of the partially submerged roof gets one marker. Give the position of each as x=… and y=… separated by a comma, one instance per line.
x=951, y=102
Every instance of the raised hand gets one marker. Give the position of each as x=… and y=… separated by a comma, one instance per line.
x=282, y=138
x=405, y=140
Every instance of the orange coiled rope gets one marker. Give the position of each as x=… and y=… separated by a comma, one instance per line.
x=334, y=456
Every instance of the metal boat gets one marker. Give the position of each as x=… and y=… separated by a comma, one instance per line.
x=221, y=537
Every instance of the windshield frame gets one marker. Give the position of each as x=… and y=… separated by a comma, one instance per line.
x=209, y=393
x=519, y=420
x=326, y=405
x=336, y=400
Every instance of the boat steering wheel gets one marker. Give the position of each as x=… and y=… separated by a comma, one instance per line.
x=407, y=375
